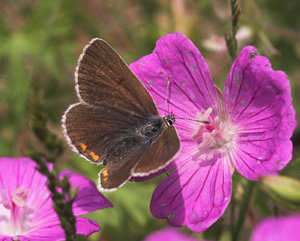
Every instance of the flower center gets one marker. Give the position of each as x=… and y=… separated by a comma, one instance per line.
x=13, y=212
x=215, y=135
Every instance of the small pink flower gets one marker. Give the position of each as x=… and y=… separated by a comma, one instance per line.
x=278, y=229
x=218, y=44
x=26, y=211
x=250, y=125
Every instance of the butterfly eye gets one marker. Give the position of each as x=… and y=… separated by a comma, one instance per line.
x=169, y=119
x=170, y=122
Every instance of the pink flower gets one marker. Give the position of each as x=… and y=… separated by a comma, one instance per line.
x=218, y=44
x=169, y=234
x=26, y=211
x=278, y=229
x=251, y=123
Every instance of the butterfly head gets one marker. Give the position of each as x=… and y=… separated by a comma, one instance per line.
x=169, y=119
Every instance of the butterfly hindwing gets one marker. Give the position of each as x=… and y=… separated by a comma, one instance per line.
x=143, y=160
x=159, y=154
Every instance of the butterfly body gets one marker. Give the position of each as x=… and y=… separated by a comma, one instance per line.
x=142, y=134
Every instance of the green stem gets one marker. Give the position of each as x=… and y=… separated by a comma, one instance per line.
x=232, y=211
x=243, y=210
x=230, y=37
x=62, y=200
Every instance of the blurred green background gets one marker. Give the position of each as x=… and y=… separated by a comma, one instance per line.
x=40, y=42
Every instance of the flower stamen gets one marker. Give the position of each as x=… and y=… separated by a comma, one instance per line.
x=216, y=134
x=19, y=198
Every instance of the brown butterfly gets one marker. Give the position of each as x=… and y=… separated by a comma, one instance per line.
x=116, y=121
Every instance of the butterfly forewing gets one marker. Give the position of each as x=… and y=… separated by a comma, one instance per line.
x=103, y=78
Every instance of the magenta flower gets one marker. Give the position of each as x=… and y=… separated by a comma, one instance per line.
x=277, y=229
x=169, y=234
x=26, y=209
x=251, y=123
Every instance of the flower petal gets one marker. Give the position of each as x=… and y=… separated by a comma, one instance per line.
x=52, y=230
x=257, y=100
x=196, y=194
x=88, y=198
x=191, y=87
x=5, y=238
x=21, y=172
x=48, y=231
x=85, y=226
x=278, y=229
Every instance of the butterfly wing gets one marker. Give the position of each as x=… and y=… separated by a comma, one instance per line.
x=114, y=176
x=104, y=79
x=91, y=130
x=111, y=99
x=116, y=121
x=146, y=159
x=160, y=153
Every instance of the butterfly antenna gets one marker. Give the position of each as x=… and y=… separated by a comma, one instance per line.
x=172, y=117
x=167, y=90
x=182, y=118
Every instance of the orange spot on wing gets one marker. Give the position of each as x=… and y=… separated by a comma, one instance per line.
x=94, y=156
x=105, y=179
x=104, y=173
x=83, y=146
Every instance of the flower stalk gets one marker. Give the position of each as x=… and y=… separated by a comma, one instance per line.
x=243, y=210
x=230, y=38
x=62, y=195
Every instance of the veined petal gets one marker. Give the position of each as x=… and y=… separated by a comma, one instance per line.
x=52, y=230
x=196, y=194
x=257, y=101
x=25, y=175
x=85, y=226
x=176, y=58
x=88, y=197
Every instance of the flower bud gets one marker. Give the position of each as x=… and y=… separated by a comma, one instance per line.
x=284, y=190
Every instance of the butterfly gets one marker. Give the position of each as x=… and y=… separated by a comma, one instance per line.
x=116, y=121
